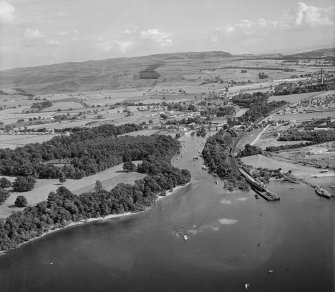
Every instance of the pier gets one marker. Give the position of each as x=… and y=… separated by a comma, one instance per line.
x=258, y=187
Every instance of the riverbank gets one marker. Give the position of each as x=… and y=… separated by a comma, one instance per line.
x=71, y=224
x=297, y=170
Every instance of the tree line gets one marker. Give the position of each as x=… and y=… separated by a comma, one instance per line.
x=316, y=137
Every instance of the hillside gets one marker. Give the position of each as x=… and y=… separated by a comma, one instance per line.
x=102, y=74
x=322, y=53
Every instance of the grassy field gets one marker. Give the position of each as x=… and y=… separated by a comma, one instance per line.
x=13, y=141
x=299, y=117
x=142, y=132
x=294, y=98
x=109, y=178
x=298, y=170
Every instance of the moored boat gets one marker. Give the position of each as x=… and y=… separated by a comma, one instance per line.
x=322, y=192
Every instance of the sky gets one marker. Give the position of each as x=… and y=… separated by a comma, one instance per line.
x=40, y=32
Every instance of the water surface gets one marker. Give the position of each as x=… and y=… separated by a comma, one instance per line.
x=233, y=239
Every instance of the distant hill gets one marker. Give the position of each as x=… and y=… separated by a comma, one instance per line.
x=322, y=53
x=99, y=75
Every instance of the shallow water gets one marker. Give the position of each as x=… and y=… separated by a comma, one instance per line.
x=233, y=239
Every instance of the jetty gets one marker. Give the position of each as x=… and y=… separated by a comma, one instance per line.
x=258, y=187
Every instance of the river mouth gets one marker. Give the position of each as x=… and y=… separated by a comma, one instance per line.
x=232, y=239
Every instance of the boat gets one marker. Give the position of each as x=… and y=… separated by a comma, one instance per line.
x=322, y=192
x=256, y=196
x=246, y=285
x=185, y=237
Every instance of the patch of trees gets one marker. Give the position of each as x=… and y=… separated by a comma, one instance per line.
x=24, y=183
x=63, y=207
x=129, y=166
x=247, y=99
x=4, y=195
x=41, y=105
x=220, y=111
x=259, y=110
x=88, y=152
x=319, y=123
x=201, y=131
x=262, y=75
x=264, y=174
x=5, y=183
x=292, y=88
x=316, y=137
x=250, y=150
x=216, y=155
x=21, y=202
x=184, y=121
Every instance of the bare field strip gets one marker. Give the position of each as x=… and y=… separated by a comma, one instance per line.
x=294, y=98
x=13, y=141
x=141, y=132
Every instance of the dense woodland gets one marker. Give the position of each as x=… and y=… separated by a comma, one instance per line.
x=63, y=207
x=216, y=156
x=292, y=88
x=257, y=104
x=85, y=152
x=320, y=136
x=246, y=100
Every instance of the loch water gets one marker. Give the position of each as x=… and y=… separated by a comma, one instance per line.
x=232, y=239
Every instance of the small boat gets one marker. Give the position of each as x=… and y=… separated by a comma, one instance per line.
x=246, y=285
x=256, y=196
x=322, y=192
x=291, y=188
x=270, y=271
x=185, y=237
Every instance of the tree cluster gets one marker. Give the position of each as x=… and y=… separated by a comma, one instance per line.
x=250, y=150
x=216, y=154
x=41, y=105
x=87, y=153
x=24, y=183
x=247, y=99
x=4, y=195
x=220, y=111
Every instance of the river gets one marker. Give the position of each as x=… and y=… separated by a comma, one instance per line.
x=233, y=239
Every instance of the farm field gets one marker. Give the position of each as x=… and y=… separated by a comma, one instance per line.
x=298, y=170
x=311, y=155
x=299, y=117
x=294, y=98
x=109, y=178
x=13, y=141
x=142, y=132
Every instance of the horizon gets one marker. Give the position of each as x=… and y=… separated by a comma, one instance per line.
x=38, y=33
